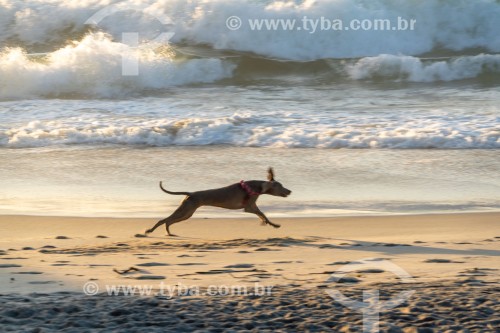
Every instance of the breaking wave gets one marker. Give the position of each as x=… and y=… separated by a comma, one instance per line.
x=93, y=67
x=453, y=25
x=247, y=130
x=53, y=51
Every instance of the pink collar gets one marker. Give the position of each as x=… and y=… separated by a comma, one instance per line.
x=247, y=188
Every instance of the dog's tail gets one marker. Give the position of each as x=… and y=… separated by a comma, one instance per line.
x=174, y=193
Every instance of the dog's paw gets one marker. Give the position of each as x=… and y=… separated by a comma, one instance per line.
x=276, y=226
x=148, y=231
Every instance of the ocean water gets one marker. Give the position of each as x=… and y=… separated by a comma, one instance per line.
x=354, y=122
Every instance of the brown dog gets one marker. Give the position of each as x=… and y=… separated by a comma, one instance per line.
x=237, y=196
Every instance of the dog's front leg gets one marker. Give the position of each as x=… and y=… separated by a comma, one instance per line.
x=255, y=210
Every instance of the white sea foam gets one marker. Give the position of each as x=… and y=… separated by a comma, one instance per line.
x=407, y=68
x=449, y=24
x=250, y=130
x=93, y=67
x=454, y=25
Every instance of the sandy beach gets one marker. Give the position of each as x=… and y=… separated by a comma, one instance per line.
x=84, y=274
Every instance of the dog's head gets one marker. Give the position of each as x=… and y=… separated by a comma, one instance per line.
x=273, y=187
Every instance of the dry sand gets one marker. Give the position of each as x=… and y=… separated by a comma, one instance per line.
x=452, y=262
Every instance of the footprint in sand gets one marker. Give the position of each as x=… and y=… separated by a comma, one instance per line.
x=265, y=249
x=9, y=265
x=443, y=261
x=148, y=277
x=101, y=236
x=215, y=271
x=371, y=270
x=394, y=244
x=98, y=265
x=62, y=237
x=328, y=246
x=28, y=273
x=63, y=263
x=339, y=263
x=48, y=247
x=14, y=258
x=239, y=266
x=152, y=264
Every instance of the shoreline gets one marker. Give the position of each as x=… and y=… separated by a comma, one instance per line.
x=249, y=216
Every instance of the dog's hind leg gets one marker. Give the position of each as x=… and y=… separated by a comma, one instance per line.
x=183, y=212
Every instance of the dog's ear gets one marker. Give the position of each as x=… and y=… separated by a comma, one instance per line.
x=270, y=174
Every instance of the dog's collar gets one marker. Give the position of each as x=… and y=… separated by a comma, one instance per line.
x=247, y=188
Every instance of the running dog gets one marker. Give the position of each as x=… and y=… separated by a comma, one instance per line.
x=242, y=195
